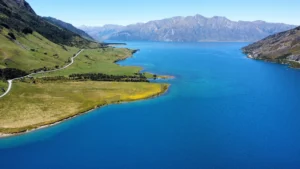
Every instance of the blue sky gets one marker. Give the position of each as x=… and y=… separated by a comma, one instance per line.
x=123, y=12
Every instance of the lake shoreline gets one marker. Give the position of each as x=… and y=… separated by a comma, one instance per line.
x=6, y=135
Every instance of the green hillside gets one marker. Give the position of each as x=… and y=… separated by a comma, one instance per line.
x=31, y=52
x=29, y=43
x=19, y=16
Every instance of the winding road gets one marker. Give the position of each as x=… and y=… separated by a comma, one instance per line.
x=11, y=81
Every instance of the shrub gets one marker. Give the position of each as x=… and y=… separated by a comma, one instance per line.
x=64, y=48
x=27, y=31
x=11, y=35
x=11, y=73
x=5, y=25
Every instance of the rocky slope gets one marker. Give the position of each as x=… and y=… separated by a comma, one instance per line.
x=191, y=29
x=69, y=27
x=283, y=47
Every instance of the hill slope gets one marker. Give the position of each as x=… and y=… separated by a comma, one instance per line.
x=283, y=47
x=19, y=16
x=193, y=29
x=29, y=43
x=69, y=27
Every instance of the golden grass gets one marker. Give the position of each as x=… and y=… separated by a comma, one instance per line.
x=30, y=106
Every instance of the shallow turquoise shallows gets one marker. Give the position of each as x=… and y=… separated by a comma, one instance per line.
x=223, y=111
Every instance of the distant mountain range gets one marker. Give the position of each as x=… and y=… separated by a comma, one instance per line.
x=69, y=27
x=283, y=48
x=102, y=33
x=189, y=29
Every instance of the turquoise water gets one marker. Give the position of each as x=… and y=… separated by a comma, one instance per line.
x=223, y=111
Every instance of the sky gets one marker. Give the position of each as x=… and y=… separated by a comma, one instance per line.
x=124, y=12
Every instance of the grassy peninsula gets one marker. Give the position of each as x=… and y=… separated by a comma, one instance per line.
x=49, y=98
x=30, y=106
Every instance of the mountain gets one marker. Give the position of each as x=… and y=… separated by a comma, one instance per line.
x=29, y=43
x=19, y=16
x=283, y=48
x=102, y=33
x=69, y=27
x=191, y=29
x=17, y=4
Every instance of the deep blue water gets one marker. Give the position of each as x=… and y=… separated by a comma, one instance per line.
x=223, y=111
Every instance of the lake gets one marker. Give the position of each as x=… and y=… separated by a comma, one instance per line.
x=223, y=111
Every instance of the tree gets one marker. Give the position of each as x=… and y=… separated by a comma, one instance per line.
x=27, y=31
x=11, y=35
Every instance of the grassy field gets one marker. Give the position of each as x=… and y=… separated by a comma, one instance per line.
x=30, y=105
x=32, y=51
x=100, y=60
x=3, y=85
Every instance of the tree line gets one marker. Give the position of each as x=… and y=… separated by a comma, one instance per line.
x=105, y=77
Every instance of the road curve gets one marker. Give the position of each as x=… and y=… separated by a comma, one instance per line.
x=8, y=89
x=11, y=81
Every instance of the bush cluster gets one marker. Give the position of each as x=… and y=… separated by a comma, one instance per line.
x=104, y=77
